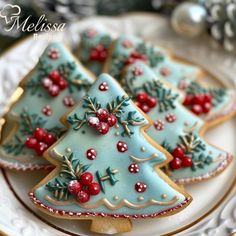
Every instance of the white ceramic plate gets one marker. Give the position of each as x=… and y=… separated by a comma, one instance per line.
x=18, y=216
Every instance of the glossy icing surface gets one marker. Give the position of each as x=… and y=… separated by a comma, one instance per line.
x=175, y=126
x=37, y=108
x=120, y=196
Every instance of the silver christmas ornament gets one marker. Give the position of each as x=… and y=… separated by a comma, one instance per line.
x=189, y=19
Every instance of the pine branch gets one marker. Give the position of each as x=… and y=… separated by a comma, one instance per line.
x=130, y=121
x=92, y=104
x=116, y=106
x=76, y=122
x=167, y=146
x=199, y=161
x=15, y=147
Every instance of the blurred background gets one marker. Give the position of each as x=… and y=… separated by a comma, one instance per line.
x=75, y=10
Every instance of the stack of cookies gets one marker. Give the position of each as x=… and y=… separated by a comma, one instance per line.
x=121, y=130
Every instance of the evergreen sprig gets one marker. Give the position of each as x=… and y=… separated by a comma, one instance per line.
x=91, y=104
x=131, y=120
x=199, y=161
x=77, y=122
x=117, y=106
x=15, y=147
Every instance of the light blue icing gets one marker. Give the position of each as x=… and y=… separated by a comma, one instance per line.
x=172, y=131
x=178, y=71
x=35, y=103
x=87, y=43
x=108, y=156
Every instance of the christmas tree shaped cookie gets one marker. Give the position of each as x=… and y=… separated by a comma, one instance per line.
x=93, y=49
x=128, y=49
x=105, y=165
x=175, y=128
x=32, y=125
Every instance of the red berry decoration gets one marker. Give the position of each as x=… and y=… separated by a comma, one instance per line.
x=142, y=97
x=82, y=197
x=94, y=188
x=68, y=101
x=196, y=109
x=170, y=118
x=165, y=71
x=102, y=114
x=206, y=107
x=112, y=120
x=31, y=142
x=133, y=168
x=39, y=134
x=62, y=84
x=178, y=152
x=91, y=154
x=207, y=98
x=47, y=110
x=151, y=102
x=74, y=187
x=49, y=139
x=145, y=108
x=103, y=128
x=159, y=125
x=175, y=164
x=188, y=100
x=99, y=53
x=86, y=178
x=140, y=187
x=55, y=76
x=54, y=90
x=198, y=99
x=137, y=71
x=93, y=122
x=122, y=146
x=187, y=161
x=46, y=82
x=40, y=148
x=103, y=86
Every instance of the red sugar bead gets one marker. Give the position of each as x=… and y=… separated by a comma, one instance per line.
x=31, y=142
x=102, y=114
x=91, y=154
x=151, y=102
x=178, y=152
x=82, y=197
x=74, y=187
x=62, y=84
x=112, y=120
x=49, y=139
x=103, y=86
x=187, y=161
x=94, y=188
x=103, y=128
x=140, y=187
x=46, y=82
x=55, y=76
x=86, y=178
x=122, y=146
x=40, y=148
x=142, y=97
x=39, y=134
x=175, y=164
x=196, y=109
x=206, y=107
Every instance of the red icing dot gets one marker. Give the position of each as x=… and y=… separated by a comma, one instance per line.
x=196, y=109
x=74, y=187
x=112, y=120
x=133, y=168
x=151, y=102
x=55, y=76
x=40, y=148
x=178, y=152
x=68, y=101
x=137, y=71
x=122, y=146
x=54, y=90
x=39, y=134
x=187, y=161
x=91, y=154
x=103, y=86
x=206, y=107
x=47, y=111
x=53, y=53
x=103, y=128
x=31, y=142
x=62, y=84
x=127, y=44
x=165, y=71
x=102, y=114
x=159, y=125
x=170, y=118
x=82, y=197
x=175, y=164
x=142, y=97
x=49, y=139
x=140, y=187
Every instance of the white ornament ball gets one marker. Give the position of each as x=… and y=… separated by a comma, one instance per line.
x=189, y=19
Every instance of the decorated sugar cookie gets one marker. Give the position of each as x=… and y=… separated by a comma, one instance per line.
x=187, y=78
x=175, y=128
x=93, y=49
x=105, y=165
x=32, y=123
